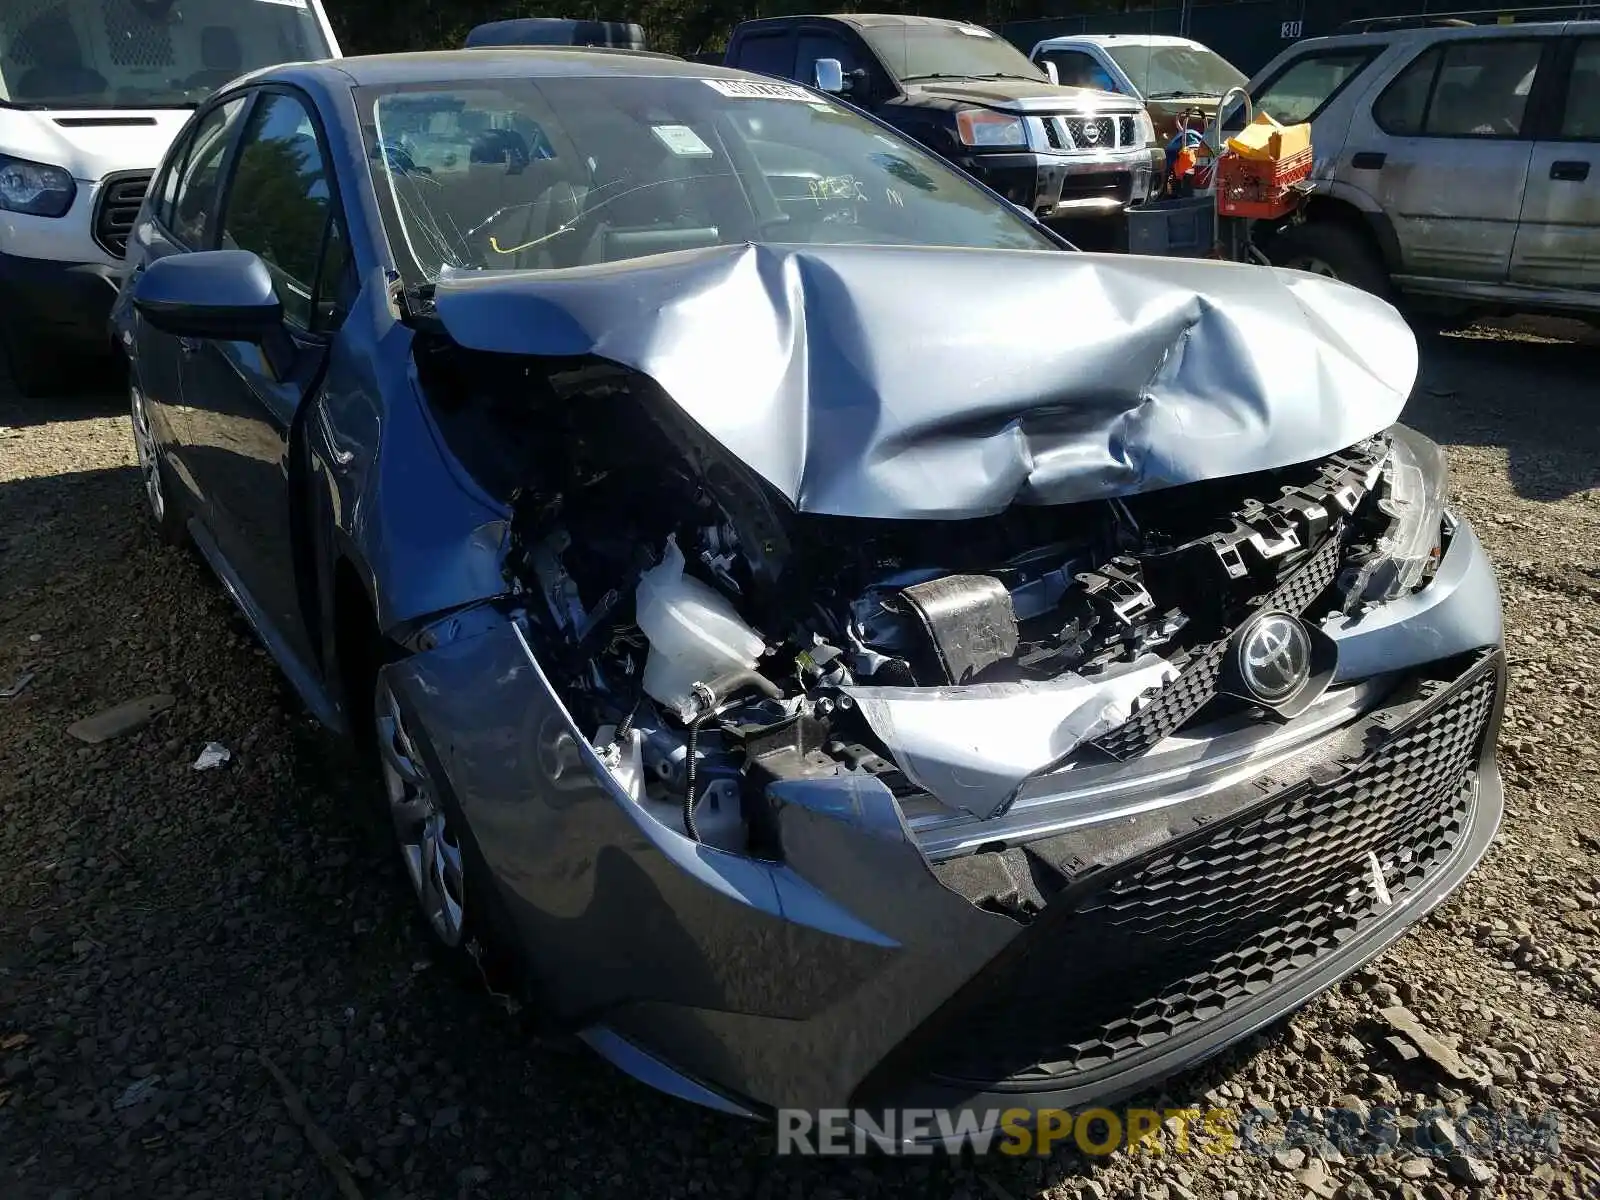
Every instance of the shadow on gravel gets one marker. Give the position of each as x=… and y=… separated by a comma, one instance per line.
x=94, y=388
x=44, y=519
x=1537, y=399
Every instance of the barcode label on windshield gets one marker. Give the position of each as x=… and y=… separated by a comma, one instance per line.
x=755, y=89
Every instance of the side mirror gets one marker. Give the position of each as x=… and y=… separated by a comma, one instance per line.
x=830, y=76
x=1050, y=70
x=222, y=294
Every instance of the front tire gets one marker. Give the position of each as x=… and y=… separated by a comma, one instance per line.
x=1334, y=251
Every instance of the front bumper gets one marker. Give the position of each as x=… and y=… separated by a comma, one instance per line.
x=1252, y=901
x=63, y=302
x=877, y=966
x=1077, y=185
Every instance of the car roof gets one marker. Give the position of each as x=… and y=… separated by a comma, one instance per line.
x=1125, y=39
x=488, y=62
x=865, y=20
x=1424, y=33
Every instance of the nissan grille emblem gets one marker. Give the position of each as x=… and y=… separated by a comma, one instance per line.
x=1274, y=657
x=1091, y=132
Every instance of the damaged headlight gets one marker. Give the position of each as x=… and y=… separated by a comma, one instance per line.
x=1418, y=484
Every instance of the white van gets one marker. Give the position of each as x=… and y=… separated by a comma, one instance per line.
x=92, y=92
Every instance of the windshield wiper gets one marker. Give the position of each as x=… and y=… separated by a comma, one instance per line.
x=1196, y=93
x=1008, y=75
x=932, y=75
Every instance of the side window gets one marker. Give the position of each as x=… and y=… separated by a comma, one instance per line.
x=165, y=191
x=196, y=196
x=1077, y=69
x=336, y=279
x=824, y=45
x=1482, y=88
x=767, y=54
x=1582, y=117
x=278, y=201
x=1404, y=103
x=1305, y=86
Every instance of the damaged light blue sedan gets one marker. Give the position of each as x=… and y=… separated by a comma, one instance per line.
x=845, y=647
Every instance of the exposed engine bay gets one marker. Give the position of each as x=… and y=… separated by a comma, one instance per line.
x=710, y=640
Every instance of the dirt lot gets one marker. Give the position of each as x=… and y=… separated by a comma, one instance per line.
x=166, y=933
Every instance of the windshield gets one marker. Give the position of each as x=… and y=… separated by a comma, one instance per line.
x=948, y=52
x=1302, y=89
x=570, y=171
x=1162, y=71
x=144, y=53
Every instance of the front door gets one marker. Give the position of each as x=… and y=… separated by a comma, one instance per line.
x=1445, y=151
x=183, y=216
x=1558, y=241
x=277, y=203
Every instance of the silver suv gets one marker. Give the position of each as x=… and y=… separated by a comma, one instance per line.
x=1458, y=166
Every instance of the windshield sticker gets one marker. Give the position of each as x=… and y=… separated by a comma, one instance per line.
x=973, y=31
x=681, y=140
x=753, y=89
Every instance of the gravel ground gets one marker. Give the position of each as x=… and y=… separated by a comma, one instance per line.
x=166, y=934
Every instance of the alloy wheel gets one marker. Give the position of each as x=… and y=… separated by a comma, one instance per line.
x=149, y=457
x=428, y=845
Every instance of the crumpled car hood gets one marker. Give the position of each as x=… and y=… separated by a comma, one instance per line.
x=936, y=383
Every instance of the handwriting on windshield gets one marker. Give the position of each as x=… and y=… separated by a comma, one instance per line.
x=836, y=187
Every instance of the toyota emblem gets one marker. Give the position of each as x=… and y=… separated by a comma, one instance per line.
x=1273, y=655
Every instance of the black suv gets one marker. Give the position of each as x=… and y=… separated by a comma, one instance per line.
x=975, y=99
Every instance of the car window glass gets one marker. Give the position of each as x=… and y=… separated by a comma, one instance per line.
x=767, y=54
x=823, y=45
x=952, y=51
x=278, y=202
x=144, y=54
x=1482, y=88
x=1403, y=104
x=1171, y=72
x=165, y=190
x=1077, y=69
x=336, y=279
x=632, y=166
x=1302, y=89
x=196, y=196
x=1582, y=117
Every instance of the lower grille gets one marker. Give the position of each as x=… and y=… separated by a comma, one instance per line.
x=117, y=209
x=1117, y=184
x=1177, y=939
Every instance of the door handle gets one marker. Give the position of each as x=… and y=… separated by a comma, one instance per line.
x=1571, y=170
x=189, y=345
x=1368, y=160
